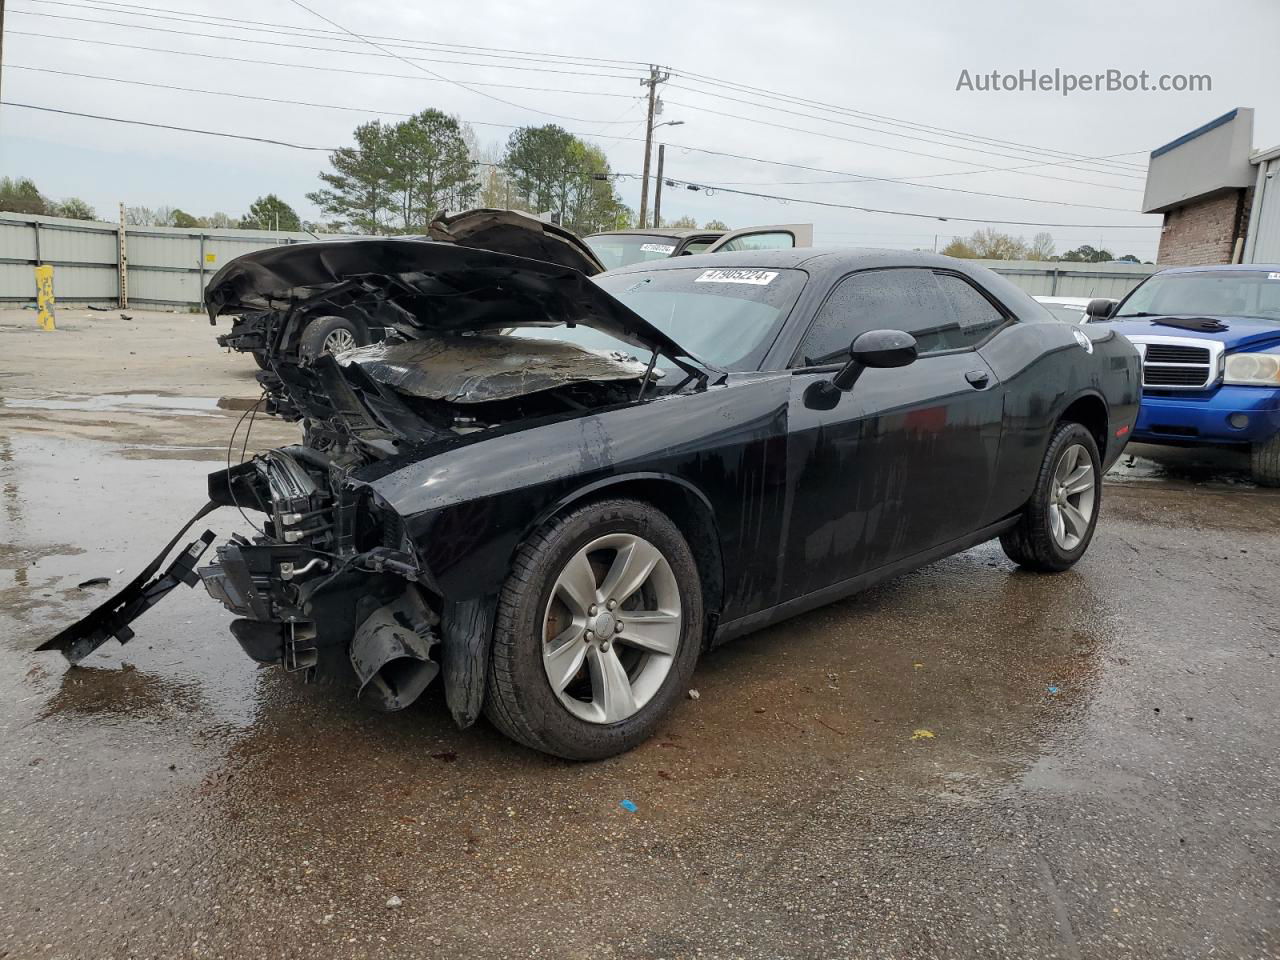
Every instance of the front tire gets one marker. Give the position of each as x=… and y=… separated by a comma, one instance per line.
x=1265, y=462
x=598, y=630
x=1057, y=523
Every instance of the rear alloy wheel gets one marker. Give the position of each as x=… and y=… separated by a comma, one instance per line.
x=1058, y=521
x=597, y=633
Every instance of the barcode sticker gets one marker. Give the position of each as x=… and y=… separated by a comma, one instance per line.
x=759, y=278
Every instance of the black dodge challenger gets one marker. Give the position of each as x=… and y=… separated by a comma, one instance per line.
x=554, y=492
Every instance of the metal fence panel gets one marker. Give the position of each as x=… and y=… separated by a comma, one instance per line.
x=169, y=266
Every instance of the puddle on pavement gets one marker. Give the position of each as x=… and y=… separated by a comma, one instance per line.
x=133, y=403
x=1201, y=467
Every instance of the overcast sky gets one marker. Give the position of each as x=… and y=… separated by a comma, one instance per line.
x=896, y=60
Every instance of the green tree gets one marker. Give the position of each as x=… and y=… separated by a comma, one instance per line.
x=358, y=190
x=551, y=170
x=20, y=195
x=430, y=169
x=1128, y=258
x=1087, y=254
x=269, y=213
x=683, y=223
x=183, y=219
x=715, y=225
x=398, y=176
x=73, y=208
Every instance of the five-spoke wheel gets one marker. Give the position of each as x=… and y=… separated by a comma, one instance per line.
x=598, y=630
x=612, y=628
x=1057, y=523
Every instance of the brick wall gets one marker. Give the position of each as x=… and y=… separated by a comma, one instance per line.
x=1204, y=231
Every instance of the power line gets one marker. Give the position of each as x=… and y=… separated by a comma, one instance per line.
x=802, y=101
x=165, y=126
x=457, y=83
x=904, y=213
x=314, y=67
x=847, y=178
x=883, y=146
x=131, y=9
x=506, y=53
x=747, y=193
x=302, y=46
x=190, y=17
x=614, y=63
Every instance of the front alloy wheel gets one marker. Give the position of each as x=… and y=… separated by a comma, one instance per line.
x=612, y=628
x=597, y=631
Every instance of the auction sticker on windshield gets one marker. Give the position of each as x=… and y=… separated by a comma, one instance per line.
x=657, y=247
x=760, y=278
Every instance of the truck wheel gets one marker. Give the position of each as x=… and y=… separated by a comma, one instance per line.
x=598, y=629
x=1058, y=521
x=330, y=335
x=1265, y=460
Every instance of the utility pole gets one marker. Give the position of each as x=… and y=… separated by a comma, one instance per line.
x=1, y=49
x=657, y=189
x=655, y=77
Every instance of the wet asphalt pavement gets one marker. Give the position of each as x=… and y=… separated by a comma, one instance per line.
x=968, y=761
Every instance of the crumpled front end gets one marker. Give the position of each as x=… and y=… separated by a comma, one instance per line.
x=320, y=590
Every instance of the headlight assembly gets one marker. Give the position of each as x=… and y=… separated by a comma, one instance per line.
x=1253, y=369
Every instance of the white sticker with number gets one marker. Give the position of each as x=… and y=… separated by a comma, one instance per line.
x=1273, y=276
x=759, y=278
x=657, y=247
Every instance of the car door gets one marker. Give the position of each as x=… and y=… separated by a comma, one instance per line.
x=905, y=460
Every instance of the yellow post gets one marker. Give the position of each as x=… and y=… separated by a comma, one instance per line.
x=44, y=296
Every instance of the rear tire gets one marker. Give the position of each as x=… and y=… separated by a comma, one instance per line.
x=330, y=335
x=1265, y=462
x=1053, y=531
x=539, y=630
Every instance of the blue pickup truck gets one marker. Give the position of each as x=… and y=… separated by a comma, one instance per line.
x=1210, y=344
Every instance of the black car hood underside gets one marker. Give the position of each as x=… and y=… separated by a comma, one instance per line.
x=440, y=288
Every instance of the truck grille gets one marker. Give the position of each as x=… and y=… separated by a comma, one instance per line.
x=1172, y=353
x=1178, y=363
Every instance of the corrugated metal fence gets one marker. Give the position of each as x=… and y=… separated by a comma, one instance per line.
x=167, y=267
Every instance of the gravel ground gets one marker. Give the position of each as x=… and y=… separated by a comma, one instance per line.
x=968, y=761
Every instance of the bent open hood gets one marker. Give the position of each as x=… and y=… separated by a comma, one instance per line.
x=435, y=287
x=519, y=234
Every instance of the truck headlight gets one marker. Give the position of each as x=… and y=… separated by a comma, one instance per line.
x=1252, y=369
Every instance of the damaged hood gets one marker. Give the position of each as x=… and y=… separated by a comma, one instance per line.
x=519, y=234
x=436, y=288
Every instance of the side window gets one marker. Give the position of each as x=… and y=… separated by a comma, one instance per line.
x=975, y=315
x=777, y=240
x=896, y=299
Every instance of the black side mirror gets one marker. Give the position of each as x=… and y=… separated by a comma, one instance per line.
x=1100, y=308
x=875, y=348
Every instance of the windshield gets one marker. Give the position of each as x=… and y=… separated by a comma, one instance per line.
x=725, y=316
x=623, y=249
x=1219, y=293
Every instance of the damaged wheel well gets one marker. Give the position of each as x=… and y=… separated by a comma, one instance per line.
x=688, y=510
